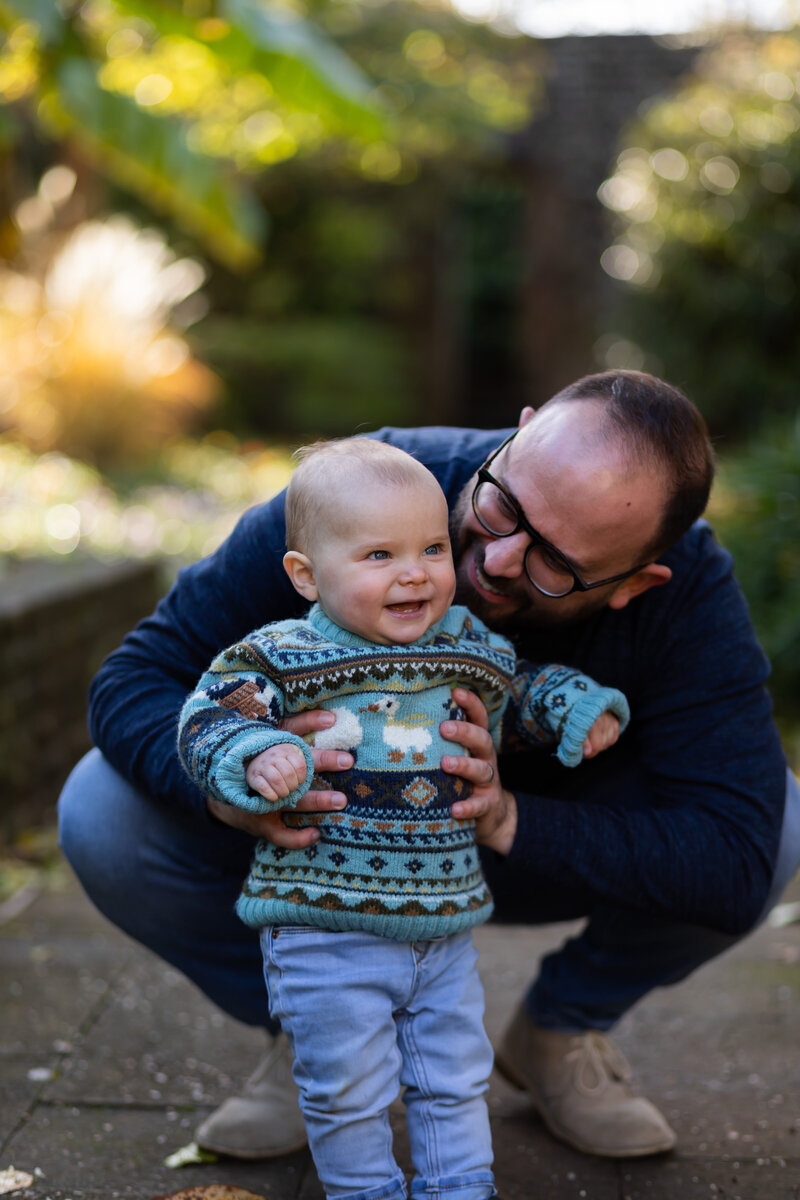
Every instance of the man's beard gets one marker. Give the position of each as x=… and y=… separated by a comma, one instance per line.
x=467, y=545
x=529, y=610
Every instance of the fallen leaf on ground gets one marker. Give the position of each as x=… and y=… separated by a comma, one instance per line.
x=189, y=1156
x=216, y=1191
x=784, y=914
x=11, y=1180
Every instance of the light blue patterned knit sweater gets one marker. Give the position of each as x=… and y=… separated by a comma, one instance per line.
x=394, y=861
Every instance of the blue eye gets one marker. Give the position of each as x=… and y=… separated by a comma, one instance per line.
x=378, y=554
x=435, y=549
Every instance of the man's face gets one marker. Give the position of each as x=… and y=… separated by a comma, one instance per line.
x=581, y=496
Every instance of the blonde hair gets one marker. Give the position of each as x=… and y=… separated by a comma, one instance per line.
x=328, y=470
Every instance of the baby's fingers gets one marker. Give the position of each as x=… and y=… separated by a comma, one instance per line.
x=290, y=766
x=277, y=773
x=269, y=782
x=603, y=734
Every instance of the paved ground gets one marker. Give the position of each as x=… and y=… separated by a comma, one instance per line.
x=108, y=1060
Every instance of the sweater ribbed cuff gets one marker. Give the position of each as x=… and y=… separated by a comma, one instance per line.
x=574, y=728
x=229, y=782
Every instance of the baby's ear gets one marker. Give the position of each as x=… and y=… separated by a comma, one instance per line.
x=300, y=570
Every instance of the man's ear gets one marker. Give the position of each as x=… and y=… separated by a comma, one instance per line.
x=301, y=572
x=526, y=415
x=653, y=575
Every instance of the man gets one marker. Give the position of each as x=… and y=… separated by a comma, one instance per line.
x=576, y=533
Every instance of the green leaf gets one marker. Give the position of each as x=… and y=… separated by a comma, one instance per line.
x=282, y=33
x=10, y=129
x=150, y=155
x=44, y=13
x=189, y=1156
x=305, y=69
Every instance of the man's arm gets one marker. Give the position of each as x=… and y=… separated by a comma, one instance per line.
x=137, y=695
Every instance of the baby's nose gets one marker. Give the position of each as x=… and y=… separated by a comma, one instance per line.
x=412, y=573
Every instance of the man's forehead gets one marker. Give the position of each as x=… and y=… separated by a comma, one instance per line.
x=581, y=489
x=579, y=423
x=573, y=440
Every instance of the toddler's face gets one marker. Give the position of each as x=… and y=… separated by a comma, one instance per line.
x=384, y=569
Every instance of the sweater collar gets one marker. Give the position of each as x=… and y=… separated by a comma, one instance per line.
x=344, y=637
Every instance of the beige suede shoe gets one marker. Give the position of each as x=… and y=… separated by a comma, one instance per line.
x=265, y=1120
x=580, y=1085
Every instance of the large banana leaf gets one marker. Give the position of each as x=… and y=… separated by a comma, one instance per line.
x=305, y=70
x=149, y=153
x=151, y=156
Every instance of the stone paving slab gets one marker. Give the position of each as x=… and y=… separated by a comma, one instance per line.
x=713, y=1179
x=530, y=1165
x=102, y=1153
x=158, y=1040
x=109, y=1059
x=17, y=1095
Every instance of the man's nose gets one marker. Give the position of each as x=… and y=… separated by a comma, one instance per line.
x=505, y=557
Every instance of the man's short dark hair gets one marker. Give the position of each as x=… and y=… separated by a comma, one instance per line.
x=659, y=425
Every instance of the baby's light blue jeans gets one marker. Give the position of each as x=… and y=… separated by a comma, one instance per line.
x=366, y=1016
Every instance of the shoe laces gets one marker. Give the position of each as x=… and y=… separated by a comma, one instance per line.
x=597, y=1063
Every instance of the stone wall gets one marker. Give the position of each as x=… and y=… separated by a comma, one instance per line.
x=58, y=621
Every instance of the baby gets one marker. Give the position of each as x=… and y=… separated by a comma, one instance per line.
x=366, y=935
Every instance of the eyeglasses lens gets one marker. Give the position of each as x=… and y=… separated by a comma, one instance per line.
x=547, y=573
x=497, y=515
x=493, y=510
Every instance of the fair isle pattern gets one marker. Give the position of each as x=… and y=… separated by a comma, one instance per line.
x=311, y=670
x=560, y=703
x=394, y=861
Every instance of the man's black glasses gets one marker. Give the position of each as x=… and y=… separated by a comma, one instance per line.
x=500, y=514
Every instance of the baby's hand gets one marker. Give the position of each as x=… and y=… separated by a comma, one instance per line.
x=602, y=735
x=276, y=772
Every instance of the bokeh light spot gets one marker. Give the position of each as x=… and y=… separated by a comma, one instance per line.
x=670, y=164
x=152, y=90
x=720, y=174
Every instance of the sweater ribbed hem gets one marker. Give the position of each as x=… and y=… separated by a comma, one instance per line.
x=399, y=926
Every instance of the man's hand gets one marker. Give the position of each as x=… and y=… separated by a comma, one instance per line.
x=270, y=826
x=494, y=808
x=603, y=734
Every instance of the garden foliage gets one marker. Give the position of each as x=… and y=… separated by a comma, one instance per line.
x=707, y=201
x=757, y=515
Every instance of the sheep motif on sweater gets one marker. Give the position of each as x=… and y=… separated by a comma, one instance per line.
x=394, y=862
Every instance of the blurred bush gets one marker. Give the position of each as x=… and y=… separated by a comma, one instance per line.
x=756, y=512
x=707, y=202
x=91, y=360
x=181, y=507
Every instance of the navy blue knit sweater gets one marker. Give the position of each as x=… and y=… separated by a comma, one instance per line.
x=682, y=817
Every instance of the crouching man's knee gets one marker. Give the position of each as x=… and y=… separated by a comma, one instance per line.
x=96, y=810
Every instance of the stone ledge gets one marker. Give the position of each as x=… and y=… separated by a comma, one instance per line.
x=58, y=621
